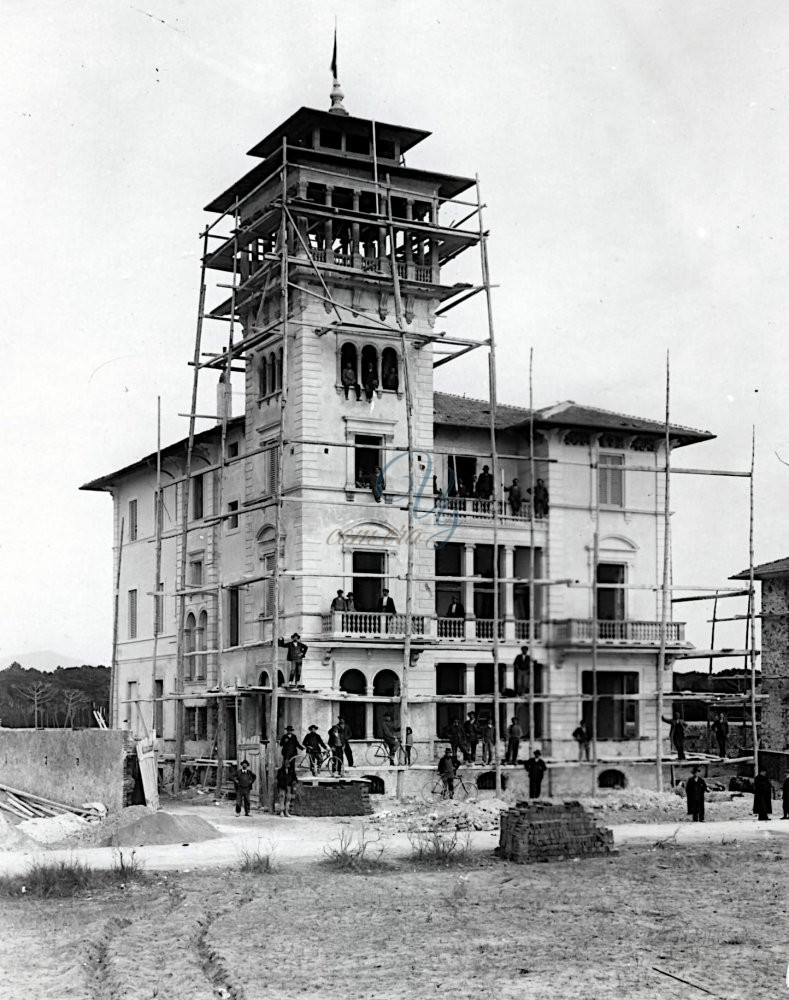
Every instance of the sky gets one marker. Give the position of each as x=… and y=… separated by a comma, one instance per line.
x=631, y=158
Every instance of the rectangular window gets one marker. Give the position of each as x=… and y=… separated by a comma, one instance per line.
x=271, y=471
x=232, y=521
x=232, y=449
x=196, y=571
x=132, y=614
x=331, y=138
x=611, y=480
x=367, y=590
x=368, y=457
x=611, y=598
x=190, y=723
x=234, y=617
x=357, y=144
x=158, y=609
x=158, y=707
x=132, y=713
x=450, y=679
x=197, y=497
x=617, y=715
x=267, y=566
x=132, y=520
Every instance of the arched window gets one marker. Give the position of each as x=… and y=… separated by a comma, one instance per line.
x=279, y=368
x=390, y=373
x=370, y=373
x=263, y=377
x=273, y=385
x=267, y=555
x=348, y=356
x=201, y=644
x=387, y=684
x=353, y=682
x=611, y=779
x=189, y=643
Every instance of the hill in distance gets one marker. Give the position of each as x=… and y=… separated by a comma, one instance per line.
x=43, y=659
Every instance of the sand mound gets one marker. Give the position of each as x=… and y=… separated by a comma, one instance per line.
x=52, y=829
x=12, y=838
x=161, y=828
x=418, y=817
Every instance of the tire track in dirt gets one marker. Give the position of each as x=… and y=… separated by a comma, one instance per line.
x=214, y=966
x=102, y=981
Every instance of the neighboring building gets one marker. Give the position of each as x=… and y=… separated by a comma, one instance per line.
x=774, y=645
x=600, y=470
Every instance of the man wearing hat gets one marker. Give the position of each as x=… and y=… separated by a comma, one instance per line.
x=535, y=768
x=296, y=653
x=446, y=770
x=243, y=780
x=290, y=744
x=313, y=744
x=695, y=788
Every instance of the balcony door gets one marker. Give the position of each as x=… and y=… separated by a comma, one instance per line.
x=367, y=590
x=610, y=599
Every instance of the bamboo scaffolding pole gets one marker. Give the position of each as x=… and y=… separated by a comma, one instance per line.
x=494, y=459
x=184, y=535
x=752, y=608
x=665, y=590
x=114, y=692
x=157, y=583
x=595, y=596
x=532, y=592
x=271, y=762
x=409, y=416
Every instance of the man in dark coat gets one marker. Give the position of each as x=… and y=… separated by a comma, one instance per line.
x=540, y=498
x=336, y=745
x=484, y=486
x=446, y=769
x=785, y=798
x=389, y=735
x=677, y=734
x=721, y=729
x=456, y=609
x=290, y=744
x=762, y=795
x=313, y=744
x=347, y=735
x=296, y=653
x=514, y=736
x=457, y=739
x=535, y=768
x=244, y=779
x=286, y=781
x=348, y=379
x=338, y=604
x=583, y=737
x=695, y=788
x=471, y=735
x=516, y=497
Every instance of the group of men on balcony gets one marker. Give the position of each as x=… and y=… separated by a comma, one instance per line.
x=481, y=490
x=347, y=602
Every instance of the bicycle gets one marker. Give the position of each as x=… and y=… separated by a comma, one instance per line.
x=465, y=789
x=378, y=755
x=324, y=759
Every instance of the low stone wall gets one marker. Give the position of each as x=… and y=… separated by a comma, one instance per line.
x=71, y=766
x=331, y=798
x=542, y=831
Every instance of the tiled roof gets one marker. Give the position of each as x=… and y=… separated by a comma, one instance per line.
x=778, y=567
x=463, y=411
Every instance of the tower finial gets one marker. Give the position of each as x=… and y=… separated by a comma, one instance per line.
x=336, y=91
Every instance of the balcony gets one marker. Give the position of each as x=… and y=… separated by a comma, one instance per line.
x=580, y=631
x=470, y=510
x=372, y=625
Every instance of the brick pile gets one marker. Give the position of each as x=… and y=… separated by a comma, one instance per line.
x=335, y=798
x=543, y=831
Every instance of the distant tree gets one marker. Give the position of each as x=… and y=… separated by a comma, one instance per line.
x=39, y=694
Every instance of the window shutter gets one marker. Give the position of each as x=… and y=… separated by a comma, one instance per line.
x=132, y=520
x=132, y=614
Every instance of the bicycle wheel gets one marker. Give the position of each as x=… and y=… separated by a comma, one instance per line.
x=432, y=789
x=466, y=789
x=303, y=764
x=377, y=755
x=334, y=766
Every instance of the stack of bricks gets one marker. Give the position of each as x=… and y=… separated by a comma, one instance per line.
x=542, y=831
x=336, y=798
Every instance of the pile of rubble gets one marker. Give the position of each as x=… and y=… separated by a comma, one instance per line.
x=443, y=816
x=545, y=831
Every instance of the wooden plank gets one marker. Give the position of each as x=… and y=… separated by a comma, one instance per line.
x=148, y=773
x=40, y=798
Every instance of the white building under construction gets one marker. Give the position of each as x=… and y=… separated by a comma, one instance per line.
x=331, y=272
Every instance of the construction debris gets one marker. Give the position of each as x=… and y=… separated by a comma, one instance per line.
x=546, y=831
x=27, y=805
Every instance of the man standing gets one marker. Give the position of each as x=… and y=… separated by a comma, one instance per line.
x=286, y=781
x=535, y=768
x=677, y=734
x=289, y=744
x=488, y=742
x=456, y=609
x=338, y=604
x=695, y=789
x=583, y=736
x=243, y=780
x=457, y=739
x=484, y=486
x=313, y=744
x=540, y=498
x=516, y=497
x=336, y=744
x=514, y=736
x=471, y=734
x=296, y=653
x=523, y=668
x=389, y=736
x=721, y=729
x=762, y=795
x=347, y=735
x=446, y=770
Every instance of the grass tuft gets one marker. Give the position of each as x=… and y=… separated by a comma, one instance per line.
x=356, y=855
x=63, y=879
x=438, y=849
x=256, y=862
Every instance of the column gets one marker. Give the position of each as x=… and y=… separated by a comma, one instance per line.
x=355, y=232
x=409, y=245
x=509, y=603
x=328, y=229
x=467, y=569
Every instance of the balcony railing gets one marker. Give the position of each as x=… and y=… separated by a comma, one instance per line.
x=523, y=628
x=371, y=624
x=470, y=509
x=636, y=633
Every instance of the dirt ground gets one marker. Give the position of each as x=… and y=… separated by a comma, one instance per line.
x=714, y=915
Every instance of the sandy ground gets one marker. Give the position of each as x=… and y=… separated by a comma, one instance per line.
x=705, y=903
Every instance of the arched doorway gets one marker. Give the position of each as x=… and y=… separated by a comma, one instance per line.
x=386, y=684
x=354, y=713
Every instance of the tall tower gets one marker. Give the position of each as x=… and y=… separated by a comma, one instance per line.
x=333, y=250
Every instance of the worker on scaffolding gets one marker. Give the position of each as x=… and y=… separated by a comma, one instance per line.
x=540, y=498
x=676, y=734
x=720, y=728
x=516, y=497
x=296, y=653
